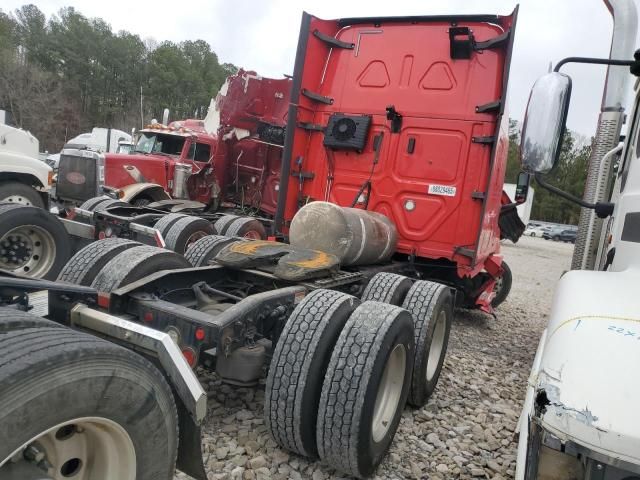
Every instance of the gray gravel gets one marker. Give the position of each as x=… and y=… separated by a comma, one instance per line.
x=467, y=428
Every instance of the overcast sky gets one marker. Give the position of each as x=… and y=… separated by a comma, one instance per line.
x=261, y=35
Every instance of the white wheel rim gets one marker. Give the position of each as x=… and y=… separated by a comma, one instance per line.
x=22, y=200
x=29, y=250
x=87, y=448
x=389, y=392
x=437, y=344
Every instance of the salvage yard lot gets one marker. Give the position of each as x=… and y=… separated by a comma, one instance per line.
x=467, y=428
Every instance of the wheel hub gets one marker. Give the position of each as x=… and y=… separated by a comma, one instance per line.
x=27, y=249
x=17, y=199
x=437, y=344
x=82, y=449
x=389, y=392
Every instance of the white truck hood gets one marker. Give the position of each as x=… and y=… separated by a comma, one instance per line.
x=589, y=367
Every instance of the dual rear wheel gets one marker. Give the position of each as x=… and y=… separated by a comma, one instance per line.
x=343, y=369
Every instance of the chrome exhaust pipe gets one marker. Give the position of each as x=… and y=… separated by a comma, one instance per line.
x=599, y=177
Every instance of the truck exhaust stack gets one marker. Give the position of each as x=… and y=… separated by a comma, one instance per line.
x=625, y=25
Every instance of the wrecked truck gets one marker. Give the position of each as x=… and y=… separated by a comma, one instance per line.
x=579, y=420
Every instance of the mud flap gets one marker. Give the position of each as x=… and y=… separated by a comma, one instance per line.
x=511, y=227
x=190, y=445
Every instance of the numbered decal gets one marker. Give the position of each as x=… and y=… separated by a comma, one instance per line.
x=445, y=190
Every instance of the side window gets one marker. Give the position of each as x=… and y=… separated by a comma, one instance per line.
x=192, y=151
x=203, y=152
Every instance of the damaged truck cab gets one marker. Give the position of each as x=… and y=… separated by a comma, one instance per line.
x=579, y=420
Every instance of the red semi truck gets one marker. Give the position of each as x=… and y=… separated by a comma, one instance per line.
x=401, y=118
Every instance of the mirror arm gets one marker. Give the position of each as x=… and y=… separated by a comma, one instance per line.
x=596, y=61
x=602, y=209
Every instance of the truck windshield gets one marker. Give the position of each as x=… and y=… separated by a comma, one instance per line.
x=159, y=143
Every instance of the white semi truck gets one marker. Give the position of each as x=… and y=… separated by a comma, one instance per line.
x=24, y=178
x=580, y=418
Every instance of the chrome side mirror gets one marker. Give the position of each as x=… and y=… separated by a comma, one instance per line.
x=544, y=122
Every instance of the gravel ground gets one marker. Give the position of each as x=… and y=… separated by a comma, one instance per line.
x=467, y=428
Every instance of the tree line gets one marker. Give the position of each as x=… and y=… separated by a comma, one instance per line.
x=569, y=174
x=67, y=74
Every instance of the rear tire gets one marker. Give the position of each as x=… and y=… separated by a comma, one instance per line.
x=298, y=368
x=387, y=288
x=365, y=388
x=102, y=206
x=165, y=223
x=503, y=286
x=20, y=194
x=223, y=223
x=187, y=231
x=92, y=203
x=246, y=227
x=85, y=265
x=122, y=403
x=33, y=242
x=201, y=252
x=134, y=264
x=431, y=306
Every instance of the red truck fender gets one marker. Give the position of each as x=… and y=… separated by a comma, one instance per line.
x=143, y=191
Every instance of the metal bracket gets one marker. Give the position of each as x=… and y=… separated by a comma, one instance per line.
x=311, y=126
x=316, y=97
x=488, y=140
x=333, y=42
x=160, y=343
x=492, y=42
x=395, y=118
x=462, y=48
x=477, y=195
x=304, y=175
x=488, y=107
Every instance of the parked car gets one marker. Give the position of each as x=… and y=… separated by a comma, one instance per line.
x=536, y=231
x=560, y=235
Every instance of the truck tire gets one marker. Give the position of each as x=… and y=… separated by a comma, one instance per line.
x=387, y=288
x=503, y=286
x=56, y=382
x=165, y=223
x=202, y=251
x=298, y=367
x=431, y=306
x=92, y=203
x=186, y=231
x=134, y=264
x=246, y=227
x=102, y=206
x=85, y=265
x=21, y=194
x=33, y=242
x=365, y=388
x=223, y=223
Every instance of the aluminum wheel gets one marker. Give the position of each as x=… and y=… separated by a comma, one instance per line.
x=29, y=250
x=389, y=392
x=20, y=199
x=437, y=344
x=88, y=448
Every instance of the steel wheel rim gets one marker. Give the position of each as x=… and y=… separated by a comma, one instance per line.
x=252, y=235
x=437, y=345
x=194, y=238
x=389, y=392
x=87, y=448
x=498, y=286
x=19, y=199
x=29, y=250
